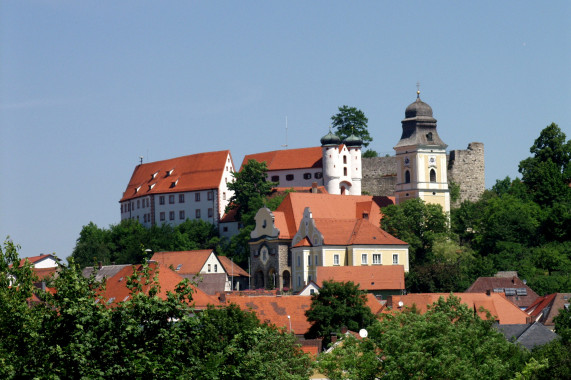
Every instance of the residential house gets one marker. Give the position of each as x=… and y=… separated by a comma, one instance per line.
x=512, y=287
x=545, y=308
x=171, y=191
x=504, y=311
x=528, y=335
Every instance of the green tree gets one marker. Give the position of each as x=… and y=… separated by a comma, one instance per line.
x=351, y=121
x=369, y=153
x=336, y=305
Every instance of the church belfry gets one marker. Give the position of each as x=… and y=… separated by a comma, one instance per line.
x=421, y=158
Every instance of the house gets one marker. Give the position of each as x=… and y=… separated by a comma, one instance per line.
x=380, y=280
x=528, y=335
x=504, y=311
x=116, y=289
x=545, y=308
x=335, y=165
x=41, y=261
x=512, y=287
x=102, y=272
x=171, y=191
x=204, y=268
x=310, y=230
x=239, y=278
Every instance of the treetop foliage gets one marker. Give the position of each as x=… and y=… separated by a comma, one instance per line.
x=351, y=121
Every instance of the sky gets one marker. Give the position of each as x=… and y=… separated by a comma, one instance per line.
x=87, y=87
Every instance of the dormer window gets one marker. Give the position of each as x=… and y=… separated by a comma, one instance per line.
x=174, y=183
x=137, y=189
x=154, y=175
x=169, y=172
x=178, y=267
x=151, y=186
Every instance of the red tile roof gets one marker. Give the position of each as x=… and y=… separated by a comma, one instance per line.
x=200, y=171
x=116, y=286
x=503, y=310
x=191, y=261
x=484, y=284
x=545, y=308
x=232, y=268
x=374, y=277
x=34, y=259
x=45, y=273
x=289, y=158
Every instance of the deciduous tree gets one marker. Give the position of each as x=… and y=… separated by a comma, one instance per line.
x=351, y=121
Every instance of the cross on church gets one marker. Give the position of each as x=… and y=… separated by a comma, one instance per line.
x=418, y=89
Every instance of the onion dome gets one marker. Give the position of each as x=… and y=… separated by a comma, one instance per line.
x=418, y=109
x=353, y=141
x=330, y=139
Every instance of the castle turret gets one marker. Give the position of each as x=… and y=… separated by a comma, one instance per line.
x=421, y=158
x=331, y=170
x=353, y=166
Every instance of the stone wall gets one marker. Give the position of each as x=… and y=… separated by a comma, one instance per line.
x=465, y=167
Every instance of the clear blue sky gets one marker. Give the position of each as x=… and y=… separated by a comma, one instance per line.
x=86, y=87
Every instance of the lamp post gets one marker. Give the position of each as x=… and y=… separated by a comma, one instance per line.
x=289, y=320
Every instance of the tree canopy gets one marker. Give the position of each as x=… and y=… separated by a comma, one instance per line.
x=351, y=121
x=336, y=305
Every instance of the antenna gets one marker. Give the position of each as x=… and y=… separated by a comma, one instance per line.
x=285, y=145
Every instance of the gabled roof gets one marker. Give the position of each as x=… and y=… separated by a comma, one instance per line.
x=106, y=271
x=288, y=158
x=503, y=310
x=36, y=259
x=513, y=288
x=231, y=268
x=528, y=335
x=374, y=277
x=275, y=310
x=187, y=262
x=545, y=308
x=116, y=287
x=202, y=171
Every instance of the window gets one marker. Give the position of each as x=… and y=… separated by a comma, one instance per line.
x=318, y=175
x=147, y=202
x=181, y=214
x=210, y=195
x=145, y=218
x=308, y=278
x=311, y=291
x=344, y=171
x=275, y=178
x=376, y=258
x=162, y=216
x=197, y=197
x=209, y=270
x=171, y=199
x=364, y=259
x=407, y=177
x=171, y=215
x=224, y=229
x=309, y=260
x=197, y=213
x=335, y=259
x=289, y=177
x=316, y=260
x=432, y=175
x=210, y=212
x=298, y=281
x=138, y=203
x=181, y=198
x=224, y=195
x=306, y=175
x=395, y=259
x=215, y=268
x=162, y=200
x=298, y=261
x=345, y=160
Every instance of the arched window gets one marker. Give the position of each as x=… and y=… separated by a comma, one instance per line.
x=407, y=176
x=344, y=171
x=432, y=175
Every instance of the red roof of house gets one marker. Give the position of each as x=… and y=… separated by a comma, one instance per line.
x=200, y=171
x=373, y=277
x=503, y=310
x=191, y=262
x=484, y=284
x=231, y=268
x=545, y=308
x=45, y=273
x=34, y=259
x=288, y=158
x=116, y=287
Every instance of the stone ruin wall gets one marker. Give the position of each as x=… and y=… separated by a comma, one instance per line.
x=465, y=167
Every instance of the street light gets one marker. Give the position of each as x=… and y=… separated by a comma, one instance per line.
x=289, y=319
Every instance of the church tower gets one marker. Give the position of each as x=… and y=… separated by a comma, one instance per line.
x=421, y=158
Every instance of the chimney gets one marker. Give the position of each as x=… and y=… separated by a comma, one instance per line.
x=314, y=187
x=333, y=338
x=488, y=292
x=365, y=215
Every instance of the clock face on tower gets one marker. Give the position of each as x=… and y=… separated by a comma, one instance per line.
x=264, y=254
x=432, y=160
x=407, y=161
